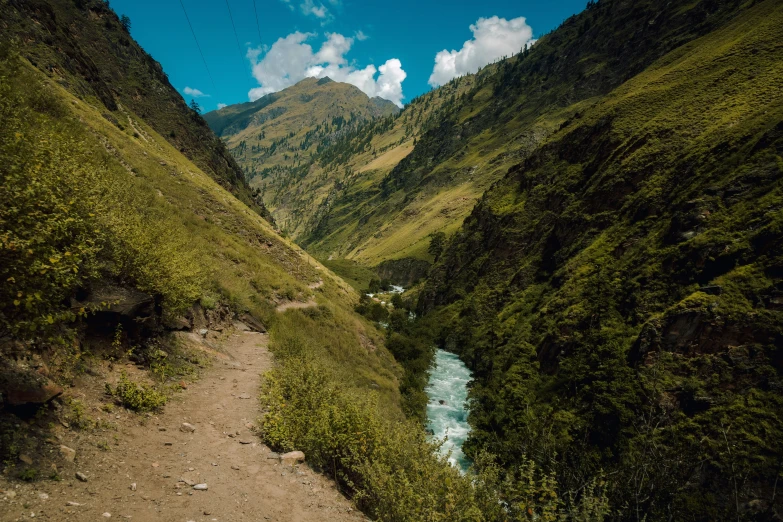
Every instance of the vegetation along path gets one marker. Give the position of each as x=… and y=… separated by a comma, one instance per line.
x=153, y=473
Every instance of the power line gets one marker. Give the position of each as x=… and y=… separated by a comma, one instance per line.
x=198, y=46
x=236, y=36
x=258, y=26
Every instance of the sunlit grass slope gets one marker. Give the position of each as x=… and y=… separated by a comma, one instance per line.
x=82, y=45
x=125, y=205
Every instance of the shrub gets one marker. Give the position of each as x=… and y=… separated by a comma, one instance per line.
x=136, y=397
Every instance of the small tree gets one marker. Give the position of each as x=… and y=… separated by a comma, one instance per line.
x=194, y=106
x=437, y=243
x=125, y=22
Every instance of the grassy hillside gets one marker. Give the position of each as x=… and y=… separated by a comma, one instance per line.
x=275, y=137
x=617, y=293
x=83, y=46
x=354, y=219
x=399, y=183
x=93, y=203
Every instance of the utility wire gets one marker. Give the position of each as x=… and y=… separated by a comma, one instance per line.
x=236, y=36
x=197, y=45
x=258, y=26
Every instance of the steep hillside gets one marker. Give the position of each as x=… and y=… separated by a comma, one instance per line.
x=357, y=220
x=83, y=46
x=617, y=293
x=402, y=183
x=273, y=137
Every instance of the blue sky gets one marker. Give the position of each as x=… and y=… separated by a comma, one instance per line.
x=338, y=38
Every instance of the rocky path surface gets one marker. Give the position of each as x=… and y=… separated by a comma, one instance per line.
x=151, y=472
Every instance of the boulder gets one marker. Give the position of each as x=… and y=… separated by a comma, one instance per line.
x=126, y=302
x=252, y=323
x=177, y=323
x=67, y=453
x=712, y=289
x=292, y=457
x=187, y=428
x=22, y=384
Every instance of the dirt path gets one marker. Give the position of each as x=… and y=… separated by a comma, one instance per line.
x=244, y=483
x=290, y=305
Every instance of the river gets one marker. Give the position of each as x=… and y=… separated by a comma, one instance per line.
x=447, y=414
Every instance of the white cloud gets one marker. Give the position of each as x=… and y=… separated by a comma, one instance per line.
x=292, y=59
x=360, y=35
x=221, y=105
x=314, y=8
x=195, y=93
x=493, y=38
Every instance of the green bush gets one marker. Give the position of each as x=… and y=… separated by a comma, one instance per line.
x=136, y=397
x=49, y=236
x=71, y=215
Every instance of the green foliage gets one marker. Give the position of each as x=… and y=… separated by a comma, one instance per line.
x=615, y=293
x=77, y=415
x=372, y=310
x=389, y=468
x=437, y=244
x=29, y=475
x=530, y=494
x=49, y=235
x=136, y=397
x=125, y=22
x=73, y=220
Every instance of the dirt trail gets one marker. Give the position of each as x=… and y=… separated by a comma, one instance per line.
x=290, y=305
x=244, y=484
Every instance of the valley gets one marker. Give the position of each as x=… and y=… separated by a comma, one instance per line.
x=563, y=269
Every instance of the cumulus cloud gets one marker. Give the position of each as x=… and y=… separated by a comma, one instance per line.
x=292, y=59
x=221, y=105
x=194, y=92
x=493, y=38
x=361, y=36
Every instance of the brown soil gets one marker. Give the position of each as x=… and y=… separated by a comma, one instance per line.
x=244, y=483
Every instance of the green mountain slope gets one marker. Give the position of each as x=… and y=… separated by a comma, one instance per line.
x=273, y=137
x=392, y=196
x=617, y=293
x=87, y=50
x=356, y=218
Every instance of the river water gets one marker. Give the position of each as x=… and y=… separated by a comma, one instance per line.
x=447, y=414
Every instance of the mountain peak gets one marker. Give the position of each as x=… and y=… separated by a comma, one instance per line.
x=281, y=131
